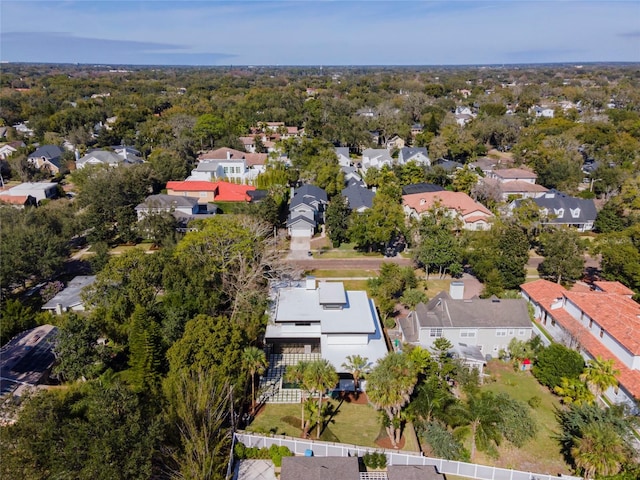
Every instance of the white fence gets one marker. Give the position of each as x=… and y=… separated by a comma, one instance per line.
x=537, y=330
x=328, y=449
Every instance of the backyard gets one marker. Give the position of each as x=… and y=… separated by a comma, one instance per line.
x=353, y=424
x=541, y=454
x=358, y=423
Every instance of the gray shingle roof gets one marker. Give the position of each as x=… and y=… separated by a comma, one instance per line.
x=167, y=201
x=71, y=296
x=320, y=468
x=567, y=209
x=47, y=151
x=443, y=311
x=421, y=188
x=358, y=197
x=312, y=191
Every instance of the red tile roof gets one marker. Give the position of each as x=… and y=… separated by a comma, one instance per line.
x=614, y=287
x=232, y=192
x=615, y=312
x=14, y=199
x=459, y=201
x=192, y=186
x=629, y=378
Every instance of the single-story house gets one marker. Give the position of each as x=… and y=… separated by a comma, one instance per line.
x=375, y=158
x=324, y=318
x=10, y=148
x=206, y=191
x=38, y=190
x=70, y=299
x=108, y=158
x=343, y=156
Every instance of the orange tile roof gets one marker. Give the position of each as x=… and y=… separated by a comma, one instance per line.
x=614, y=287
x=459, y=201
x=543, y=292
x=192, y=186
x=232, y=192
x=232, y=154
x=14, y=199
x=617, y=314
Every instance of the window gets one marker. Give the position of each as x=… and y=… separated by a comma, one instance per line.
x=226, y=170
x=469, y=333
x=558, y=212
x=553, y=322
x=590, y=323
x=501, y=332
x=601, y=332
x=521, y=332
x=511, y=332
x=435, y=332
x=203, y=194
x=575, y=212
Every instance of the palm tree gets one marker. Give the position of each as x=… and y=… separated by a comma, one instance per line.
x=574, y=391
x=600, y=374
x=357, y=366
x=599, y=451
x=389, y=388
x=319, y=376
x=483, y=415
x=254, y=360
x=296, y=374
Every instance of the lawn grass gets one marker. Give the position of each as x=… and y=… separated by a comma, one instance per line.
x=353, y=424
x=125, y=248
x=346, y=250
x=354, y=273
x=541, y=454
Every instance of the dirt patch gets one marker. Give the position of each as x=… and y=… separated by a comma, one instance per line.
x=383, y=441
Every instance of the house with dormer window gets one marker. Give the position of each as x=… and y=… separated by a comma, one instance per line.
x=561, y=209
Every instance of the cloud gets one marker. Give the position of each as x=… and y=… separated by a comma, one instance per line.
x=65, y=47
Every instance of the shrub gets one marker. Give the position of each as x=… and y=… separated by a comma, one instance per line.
x=375, y=460
x=555, y=362
x=534, y=402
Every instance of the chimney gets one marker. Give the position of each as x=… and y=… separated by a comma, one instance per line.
x=310, y=283
x=228, y=155
x=77, y=155
x=124, y=152
x=59, y=308
x=456, y=290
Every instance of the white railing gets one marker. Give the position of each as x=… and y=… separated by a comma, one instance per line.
x=329, y=449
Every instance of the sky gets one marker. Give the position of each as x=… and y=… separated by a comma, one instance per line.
x=314, y=32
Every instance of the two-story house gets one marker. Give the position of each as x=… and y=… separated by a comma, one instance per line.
x=310, y=317
x=230, y=165
x=488, y=324
x=558, y=208
x=473, y=215
x=47, y=157
x=418, y=155
x=604, y=322
x=306, y=211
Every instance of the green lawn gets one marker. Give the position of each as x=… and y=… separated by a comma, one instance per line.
x=541, y=454
x=346, y=250
x=125, y=248
x=352, y=424
x=343, y=273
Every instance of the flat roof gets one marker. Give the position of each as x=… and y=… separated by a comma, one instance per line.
x=298, y=304
x=331, y=293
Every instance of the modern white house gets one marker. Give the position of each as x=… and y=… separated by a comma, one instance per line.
x=375, y=158
x=310, y=317
x=604, y=322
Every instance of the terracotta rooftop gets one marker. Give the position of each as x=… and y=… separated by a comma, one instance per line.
x=617, y=314
x=459, y=201
x=226, y=153
x=513, y=173
x=614, y=287
x=630, y=379
x=192, y=186
x=232, y=192
x=516, y=186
